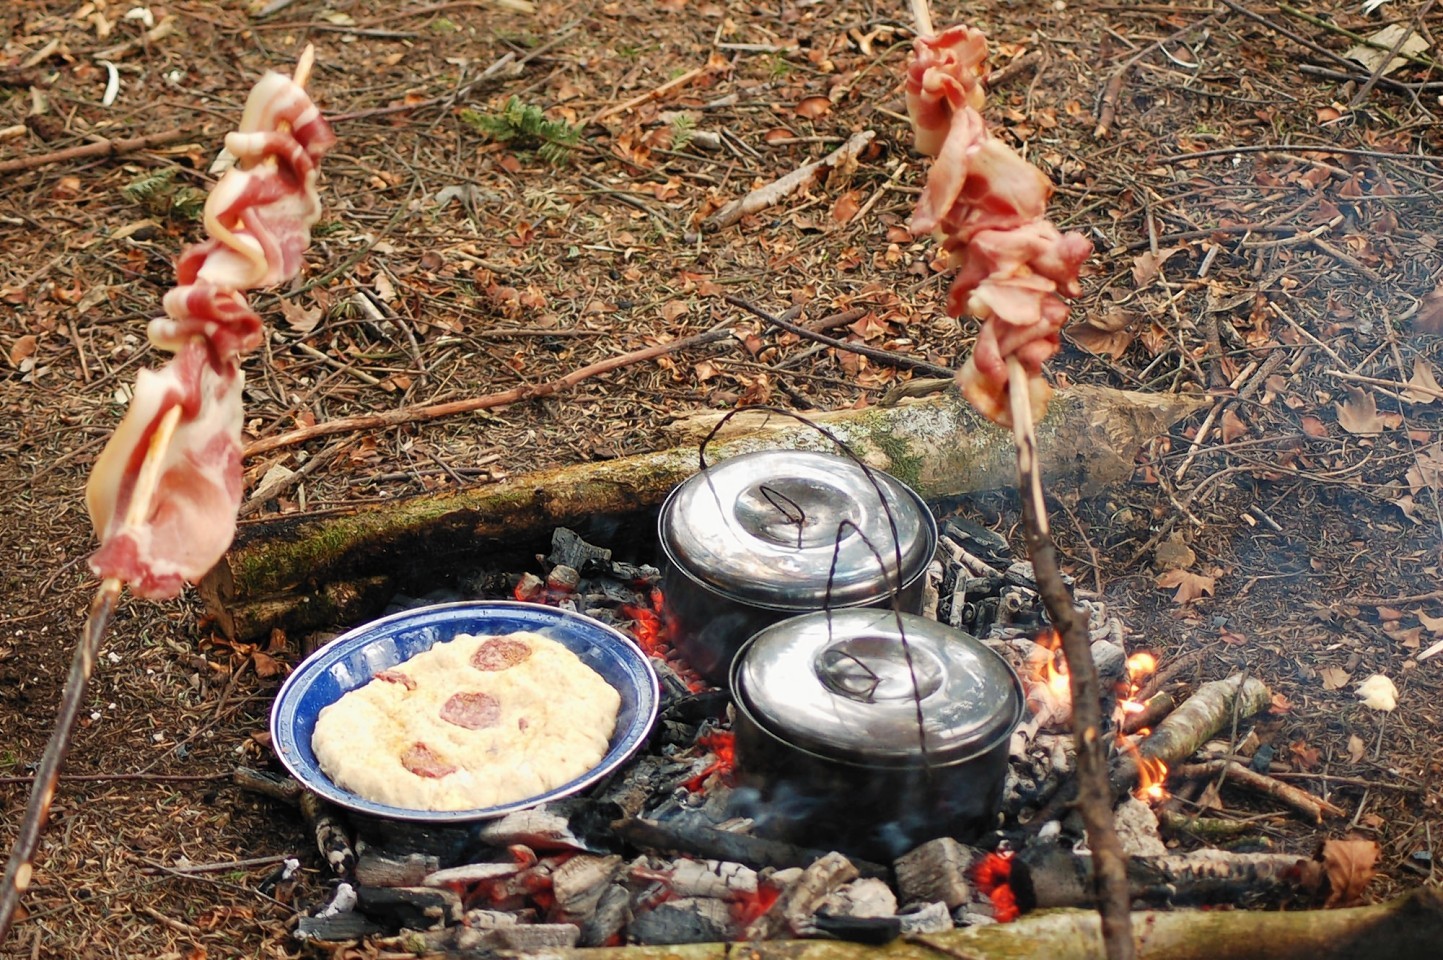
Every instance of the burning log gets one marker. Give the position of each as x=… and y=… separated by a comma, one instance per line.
x=276, y=570
x=1045, y=875
x=710, y=842
x=794, y=909
x=1410, y=926
x=1211, y=709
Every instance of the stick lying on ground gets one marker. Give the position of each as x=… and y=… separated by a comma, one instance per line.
x=778, y=190
x=163, y=494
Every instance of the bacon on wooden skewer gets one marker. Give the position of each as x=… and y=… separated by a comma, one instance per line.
x=259, y=217
x=989, y=206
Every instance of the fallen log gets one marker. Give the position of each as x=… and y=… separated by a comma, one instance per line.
x=278, y=571
x=1409, y=926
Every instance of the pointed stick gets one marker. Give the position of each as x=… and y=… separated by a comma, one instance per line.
x=1093, y=792
x=20, y=868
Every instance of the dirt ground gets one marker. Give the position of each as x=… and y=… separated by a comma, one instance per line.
x=1266, y=223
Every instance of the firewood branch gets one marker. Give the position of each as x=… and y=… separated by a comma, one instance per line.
x=100, y=148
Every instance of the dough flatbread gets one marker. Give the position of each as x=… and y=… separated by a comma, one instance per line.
x=476, y=722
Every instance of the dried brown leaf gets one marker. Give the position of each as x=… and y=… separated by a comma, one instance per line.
x=1174, y=554
x=1314, y=426
x=814, y=107
x=1304, y=756
x=1423, y=385
x=22, y=349
x=1233, y=427
x=1334, y=678
x=1429, y=318
x=1357, y=749
x=846, y=207
x=1105, y=333
x=1146, y=265
x=1189, y=586
x=1433, y=625
x=299, y=318
x=1350, y=865
x=1359, y=413
x=673, y=309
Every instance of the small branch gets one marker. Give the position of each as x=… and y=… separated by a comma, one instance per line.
x=922, y=16
x=112, y=777
x=660, y=91
x=882, y=356
x=1305, y=803
x=778, y=190
x=1094, y=791
x=100, y=148
x=404, y=415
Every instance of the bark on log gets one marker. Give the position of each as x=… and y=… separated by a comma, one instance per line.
x=288, y=572
x=1409, y=926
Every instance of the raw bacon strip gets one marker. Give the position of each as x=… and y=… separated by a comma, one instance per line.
x=945, y=75
x=989, y=204
x=259, y=217
x=200, y=476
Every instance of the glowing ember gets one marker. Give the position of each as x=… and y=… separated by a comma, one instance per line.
x=752, y=906
x=650, y=630
x=722, y=744
x=992, y=875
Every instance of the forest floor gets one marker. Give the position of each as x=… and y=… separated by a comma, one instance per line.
x=1266, y=217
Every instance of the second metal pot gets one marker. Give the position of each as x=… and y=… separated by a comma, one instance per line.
x=768, y=535
x=848, y=739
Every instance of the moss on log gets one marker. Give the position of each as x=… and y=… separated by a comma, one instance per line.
x=938, y=446
x=1410, y=926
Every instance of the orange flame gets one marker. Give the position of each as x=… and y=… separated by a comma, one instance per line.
x=992, y=875
x=1141, y=665
x=722, y=743
x=1151, y=780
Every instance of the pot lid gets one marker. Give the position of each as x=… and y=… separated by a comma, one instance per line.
x=839, y=683
x=762, y=528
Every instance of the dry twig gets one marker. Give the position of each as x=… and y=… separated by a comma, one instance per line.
x=778, y=190
x=100, y=148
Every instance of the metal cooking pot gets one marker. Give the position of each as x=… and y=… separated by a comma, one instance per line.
x=827, y=738
x=751, y=541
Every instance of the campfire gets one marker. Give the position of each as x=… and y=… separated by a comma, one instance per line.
x=658, y=853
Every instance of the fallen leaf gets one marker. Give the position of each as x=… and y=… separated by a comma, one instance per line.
x=1350, y=865
x=1304, y=756
x=1378, y=692
x=384, y=288
x=1173, y=554
x=846, y=207
x=705, y=370
x=23, y=349
x=1146, y=266
x=298, y=318
x=1429, y=318
x=1314, y=426
x=1334, y=678
x=814, y=107
x=1432, y=624
x=1232, y=426
x=266, y=665
x=1279, y=704
x=1357, y=749
x=1190, y=586
x=673, y=309
x=1359, y=413
x=1105, y=334
x=1423, y=385
x=777, y=133
x=1375, y=55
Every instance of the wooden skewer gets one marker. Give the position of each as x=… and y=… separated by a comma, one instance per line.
x=20, y=868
